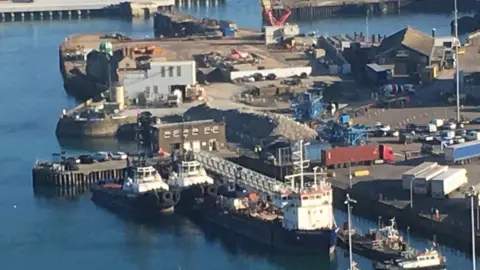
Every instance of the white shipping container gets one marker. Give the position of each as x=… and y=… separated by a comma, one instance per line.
x=447, y=182
x=409, y=175
x=421, y=182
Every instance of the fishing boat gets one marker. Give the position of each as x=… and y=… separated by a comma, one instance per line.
x=428, y=260
x=141, y=191
x=378, y=244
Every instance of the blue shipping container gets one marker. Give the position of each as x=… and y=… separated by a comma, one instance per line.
x=313, y=151
x=228, y=32
x=458, y=152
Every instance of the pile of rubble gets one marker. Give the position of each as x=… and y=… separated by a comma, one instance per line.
x=258, y=125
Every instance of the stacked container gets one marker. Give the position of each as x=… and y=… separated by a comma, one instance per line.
x=408, y=176
x=447, y=182
x=421, y=181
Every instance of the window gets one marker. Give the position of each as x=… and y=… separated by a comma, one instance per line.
x=170, y=71
x=163, y=72
x=179, y=71
x=305, y=198
x=155, y=89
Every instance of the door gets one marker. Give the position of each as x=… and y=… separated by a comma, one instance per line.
x=196, y=146
x=187, y=146
x=212, y=145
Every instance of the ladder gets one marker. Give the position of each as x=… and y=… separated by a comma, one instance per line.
x=241, y=174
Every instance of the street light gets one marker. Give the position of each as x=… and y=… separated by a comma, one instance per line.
x=472, y=193
x=411, y=192
x=349, y=201
x=350, y=173
x=456, y=60
x=315, y=174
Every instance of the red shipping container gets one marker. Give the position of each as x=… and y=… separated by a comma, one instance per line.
x=354, y=154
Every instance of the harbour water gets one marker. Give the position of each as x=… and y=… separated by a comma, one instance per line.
x=44, y=232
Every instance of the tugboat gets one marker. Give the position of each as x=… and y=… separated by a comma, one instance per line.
x=142, y=191
x=191, y=180
x=305, y=224
x=428, y=260
x=383, y=244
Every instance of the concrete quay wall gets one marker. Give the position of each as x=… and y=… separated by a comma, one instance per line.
x=107, y=127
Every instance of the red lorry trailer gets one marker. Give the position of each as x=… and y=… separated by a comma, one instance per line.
x=365, y=154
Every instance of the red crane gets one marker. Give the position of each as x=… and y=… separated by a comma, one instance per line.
x=268, y=14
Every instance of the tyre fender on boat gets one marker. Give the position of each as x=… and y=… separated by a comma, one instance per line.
x=176, y=196
x=167, y=196
x=212, y=191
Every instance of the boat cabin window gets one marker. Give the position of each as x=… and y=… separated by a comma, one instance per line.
x=318, y=197
x=305, y=198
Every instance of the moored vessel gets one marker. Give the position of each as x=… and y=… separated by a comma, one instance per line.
x=431, y=259
x=192, y=181
x=378, y=244
x=142, y=191
x=304, y=224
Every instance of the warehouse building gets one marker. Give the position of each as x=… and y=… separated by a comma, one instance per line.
x=206, y=135
x=160, y=80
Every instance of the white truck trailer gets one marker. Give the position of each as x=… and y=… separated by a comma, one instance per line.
x=409, y=175
x=421, y=181
x=444, y=184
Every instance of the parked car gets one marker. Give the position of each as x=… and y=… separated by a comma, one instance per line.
x=473, y=135
x=271, y=77
x=86, y=159
x=101, y=156
x=449, y=126
x=118, y=156
x=73, y=160
x=475, y=121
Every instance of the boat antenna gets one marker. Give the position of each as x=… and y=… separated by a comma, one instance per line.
x=182, y=146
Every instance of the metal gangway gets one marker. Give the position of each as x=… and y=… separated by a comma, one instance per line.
x=241, y=174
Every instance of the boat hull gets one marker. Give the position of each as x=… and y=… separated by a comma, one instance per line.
x=363, y=246
x=189, y=195
x=148, y=203
x=269, y=233
x=383, y=266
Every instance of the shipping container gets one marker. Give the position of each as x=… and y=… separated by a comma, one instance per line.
x=313, y=151
x=421, y=181
x=461, y=153
x=357, y=154
x=409, y=175
x=447, y=182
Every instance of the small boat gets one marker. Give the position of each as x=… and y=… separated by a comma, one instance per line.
x=378, y=244
x=142, y=191
x=428, y=260
x=192, y=181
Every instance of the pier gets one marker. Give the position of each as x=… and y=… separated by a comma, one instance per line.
x=69, y=9
x=56, y=175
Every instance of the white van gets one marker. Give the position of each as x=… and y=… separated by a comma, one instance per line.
x=437, y=122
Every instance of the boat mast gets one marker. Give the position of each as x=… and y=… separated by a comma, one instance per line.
x=456, y=61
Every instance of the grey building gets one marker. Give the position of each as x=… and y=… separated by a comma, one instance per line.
x=160, y=80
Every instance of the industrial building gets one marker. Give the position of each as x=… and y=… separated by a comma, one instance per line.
x=160, y=80
x=206, y=135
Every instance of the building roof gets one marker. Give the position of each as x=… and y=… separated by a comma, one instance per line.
x=410, y=38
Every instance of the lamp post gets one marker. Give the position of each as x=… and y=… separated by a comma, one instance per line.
x=315, y=169
x=472, y=193
x=457, y=73
x=350, y=173
x=348, y=202
x=411, y=192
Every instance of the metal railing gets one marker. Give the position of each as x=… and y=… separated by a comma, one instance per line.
x=245, y=176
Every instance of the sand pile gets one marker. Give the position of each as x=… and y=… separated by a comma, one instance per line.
x=260, y=125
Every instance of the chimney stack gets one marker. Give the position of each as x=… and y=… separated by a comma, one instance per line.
x=433, y=32
x=379, y=39
x=373, y=38
x=354, y=36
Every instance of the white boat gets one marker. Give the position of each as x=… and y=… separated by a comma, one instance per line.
x=192, y=181
x=431, y=259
